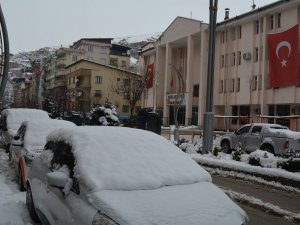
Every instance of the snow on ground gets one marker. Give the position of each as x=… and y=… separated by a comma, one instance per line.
x=13, y=209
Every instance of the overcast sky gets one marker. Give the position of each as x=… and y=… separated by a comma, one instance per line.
x=33, y=24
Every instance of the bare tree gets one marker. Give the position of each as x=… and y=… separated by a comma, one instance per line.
x=131, y=88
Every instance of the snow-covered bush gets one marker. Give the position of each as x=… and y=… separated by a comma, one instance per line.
x=291, y=164
x=236, y=155
x=262, y=158
x=104, y=116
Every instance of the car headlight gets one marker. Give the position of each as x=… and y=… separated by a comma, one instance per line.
x=100, y=219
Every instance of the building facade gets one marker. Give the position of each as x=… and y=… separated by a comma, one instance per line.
x=242, y=92
x=90, y=84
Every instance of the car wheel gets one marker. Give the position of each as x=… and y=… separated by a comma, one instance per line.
x=225, y=146
x=30, y=205
x=20, y=180
x=268, y=148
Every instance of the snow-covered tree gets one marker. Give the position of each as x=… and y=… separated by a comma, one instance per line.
x=104, y=116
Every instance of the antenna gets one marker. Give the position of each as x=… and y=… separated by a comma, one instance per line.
x=253, y=6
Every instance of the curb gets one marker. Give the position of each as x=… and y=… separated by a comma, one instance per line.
x=281, y=180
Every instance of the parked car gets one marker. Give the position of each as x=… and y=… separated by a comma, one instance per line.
x=29, y=141
x=273, y=138
x=11, y=120
x=119, y=175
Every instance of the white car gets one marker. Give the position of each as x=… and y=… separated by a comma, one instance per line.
x=29, y=142
x=95, y=175
x=11, y=120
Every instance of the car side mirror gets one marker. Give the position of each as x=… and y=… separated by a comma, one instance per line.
x=16, y=141
x=57, y=179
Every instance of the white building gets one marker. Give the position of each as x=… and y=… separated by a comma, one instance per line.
x=241, y=78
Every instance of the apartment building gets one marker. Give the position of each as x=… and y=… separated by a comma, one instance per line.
x=242, y=90
x=90, y=84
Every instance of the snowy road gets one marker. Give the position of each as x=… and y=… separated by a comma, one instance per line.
x=13, y=210
x=261, y=198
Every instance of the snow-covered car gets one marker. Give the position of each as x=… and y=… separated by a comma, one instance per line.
x=29, y=142
x=273, y=138
x=11, y=120
x=96, y=175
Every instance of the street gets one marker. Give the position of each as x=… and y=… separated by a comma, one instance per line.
x=261, y=214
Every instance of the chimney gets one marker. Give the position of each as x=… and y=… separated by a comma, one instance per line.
x=226, y=14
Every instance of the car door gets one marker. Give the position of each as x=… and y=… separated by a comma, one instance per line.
x=49, y=201
x=253, y=139
x=242, y=134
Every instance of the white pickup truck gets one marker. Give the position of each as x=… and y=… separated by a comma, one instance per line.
x=273, y=138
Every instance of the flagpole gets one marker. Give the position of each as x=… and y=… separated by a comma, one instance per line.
x=208, y=123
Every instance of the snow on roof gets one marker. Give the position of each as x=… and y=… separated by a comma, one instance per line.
x=120, y=158
x=37, y=131
x=16, y=116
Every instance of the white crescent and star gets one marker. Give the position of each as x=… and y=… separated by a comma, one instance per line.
x=280, y=45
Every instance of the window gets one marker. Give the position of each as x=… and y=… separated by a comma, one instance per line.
x=225, y=86
x=103, y=61
x=232, y=85
x=256, y=130
x=239, y=58
x=98, y=93
x=271, y=22
x=257, y=26
x=196, y=90
x=239, y=32
x=125, y=108
x=259, y=82
x=74, y=58
x=221, y=84
x=98, y=79
x=90, y=48
x=103, y=50
x=233, y=59
x=238, y=84
x=233, y=34
x=234, y=113
x=256, y=55
x=278, y=20
x=126, y=82
x=254, y=83
x=113, y=62
x=262, y=25
x=243, y=130
x=260, y=53
x=226, y=60
x=223, y=37
x=125, y=95
x=222, y=61
x=123, y=63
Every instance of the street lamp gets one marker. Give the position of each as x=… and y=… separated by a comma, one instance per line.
x=180, y=89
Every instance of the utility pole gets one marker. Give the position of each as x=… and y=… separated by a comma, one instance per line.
x=208, y=123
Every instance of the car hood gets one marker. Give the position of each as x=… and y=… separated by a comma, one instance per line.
x=199, y=203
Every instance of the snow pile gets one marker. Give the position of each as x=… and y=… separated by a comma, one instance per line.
x=266, y=159
x=37, y=131
x=134, y=159
x=16, y=116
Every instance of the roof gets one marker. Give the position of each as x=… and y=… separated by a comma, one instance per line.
x=100, y=40
x=256, y=11
x=99, y=64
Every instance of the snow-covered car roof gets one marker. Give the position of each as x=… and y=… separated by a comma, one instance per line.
x=120, y=158
x=37, y=130
x=17, y=115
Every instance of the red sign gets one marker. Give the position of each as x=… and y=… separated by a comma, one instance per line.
x=283, y=58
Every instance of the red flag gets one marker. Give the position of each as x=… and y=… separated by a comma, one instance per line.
x=149, y=83
x=283, y=58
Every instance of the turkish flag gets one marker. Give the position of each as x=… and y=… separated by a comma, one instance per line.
x=283, y=58
x=149, y=82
